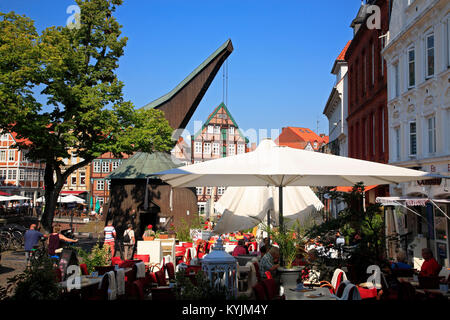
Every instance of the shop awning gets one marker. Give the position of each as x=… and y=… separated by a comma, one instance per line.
x=71, y=192
x=411, y=202
x=349, y=189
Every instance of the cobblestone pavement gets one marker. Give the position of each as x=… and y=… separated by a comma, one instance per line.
x=13, y=262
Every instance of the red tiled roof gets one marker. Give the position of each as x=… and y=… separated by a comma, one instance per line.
x=342, y=54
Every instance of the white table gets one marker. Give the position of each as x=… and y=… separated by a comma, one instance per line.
x=309, y=295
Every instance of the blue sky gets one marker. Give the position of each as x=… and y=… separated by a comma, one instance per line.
x=278, y=75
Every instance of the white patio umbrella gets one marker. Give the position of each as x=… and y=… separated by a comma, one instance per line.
x=17, y=197
x=245, y=207
x=4, y=198
x=280, y=166
x=70, y=199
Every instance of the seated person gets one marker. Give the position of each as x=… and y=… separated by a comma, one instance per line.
x=430, y=267
x=269, y=262
x=401, y=262
x=240, y=249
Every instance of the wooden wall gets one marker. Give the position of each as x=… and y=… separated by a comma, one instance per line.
x=129, y=195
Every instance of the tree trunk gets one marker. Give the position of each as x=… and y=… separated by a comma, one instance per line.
x=52, y=190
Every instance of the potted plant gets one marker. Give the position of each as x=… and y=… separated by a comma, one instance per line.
x=172, y=233
x=149, y=234
x=163, y=235
x=290, y=248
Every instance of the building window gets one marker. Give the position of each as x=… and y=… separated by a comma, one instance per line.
x=411, y=68
x=412, y=139
x=429, y=55
x=115, y=164
x=199, y=191
x=210, y=129
x=100, y=184
x=201, y=208
x=12, y=174
x=100, y=201
x=108, y=184
x=231, y=131
x=217, y=130
x=432, y=135
x=216, y=149
x=231, y=149
x=221, y=190
x=82, y=178
x=207, y=148
x=21, y=175
x=73, y=180
x=97, y=166
x=373, y=134
x=396, y=81
x=2, y=155
x=105, y=166
x=3, y=174
x=11, y=155
x=208, y=191
x=198, y=147
x=241, y=149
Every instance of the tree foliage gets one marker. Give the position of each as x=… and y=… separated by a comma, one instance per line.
x=85, y=112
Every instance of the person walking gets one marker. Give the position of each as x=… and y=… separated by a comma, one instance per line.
x=128, y=242
x=54, y=240
x=110, y=237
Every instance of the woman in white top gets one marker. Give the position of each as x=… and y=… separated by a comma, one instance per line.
x=128, y=242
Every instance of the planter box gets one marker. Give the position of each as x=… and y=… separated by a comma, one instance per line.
x=172, y=235
x=149, y=238
x=164, y=236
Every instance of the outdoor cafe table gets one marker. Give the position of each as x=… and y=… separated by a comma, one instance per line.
x=86, y=281
x=308, y=294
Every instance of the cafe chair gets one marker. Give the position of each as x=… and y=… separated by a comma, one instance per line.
x=351, y=292
x=340, y=289
x=338, y=276
x=259, y=291
x=143, y=257
x=170, y=271
x=116, y=260
x=100, y=293
x=250, y=281
x=137, y=291
x=366, y=293
x=271, y=290
x=161, y=278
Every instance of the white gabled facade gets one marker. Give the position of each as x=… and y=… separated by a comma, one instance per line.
x=417, y=54
x=336, y=108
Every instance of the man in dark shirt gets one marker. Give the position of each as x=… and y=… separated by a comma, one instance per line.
x=31, y=239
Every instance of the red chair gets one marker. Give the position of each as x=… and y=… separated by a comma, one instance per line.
x=259, y=291
x=116, y=260
x=258, y=274
x=84, y=269
x=188, y=244
x=161, y=278
x=341, y=288
x=138, y=290
x=103, y=269
x=271, y=289
x=170, y=271
x=152, y=277
x=128, y=263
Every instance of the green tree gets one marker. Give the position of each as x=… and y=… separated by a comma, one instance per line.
x=85, y=112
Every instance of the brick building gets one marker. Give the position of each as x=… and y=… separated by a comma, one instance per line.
x=367, y=80
x=18, y=175
x=100, y=168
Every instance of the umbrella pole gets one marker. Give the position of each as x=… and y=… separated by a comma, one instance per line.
x=280, y=196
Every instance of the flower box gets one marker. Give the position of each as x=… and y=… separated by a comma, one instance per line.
x=164, y=236
x=151, y=238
